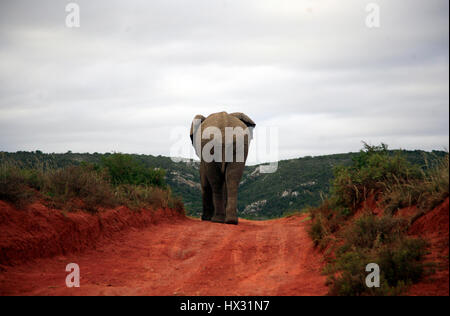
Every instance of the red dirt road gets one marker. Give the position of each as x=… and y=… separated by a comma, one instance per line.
x=185, y=257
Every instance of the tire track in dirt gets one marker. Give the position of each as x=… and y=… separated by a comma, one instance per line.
x=266, y=261
x=216, y=266
x=272, y=268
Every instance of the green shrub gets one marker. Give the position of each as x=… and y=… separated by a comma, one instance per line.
x=34, y=178
x=382, y=241
x=369, y=231
x=395, y=184
x=121, y=180
x=350, y=270
x=402, y=263
x=372, y=170
x=326, y=221
x=353, y=284
x=123, y=169
x=13, y=185
x=317, y=231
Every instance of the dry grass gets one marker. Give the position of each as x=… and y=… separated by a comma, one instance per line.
x=13, y=185
x=74, y=185
x=425, y=193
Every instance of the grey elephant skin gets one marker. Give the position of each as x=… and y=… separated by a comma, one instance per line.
x=220, y=178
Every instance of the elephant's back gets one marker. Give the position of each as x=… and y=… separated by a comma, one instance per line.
x=222, y=120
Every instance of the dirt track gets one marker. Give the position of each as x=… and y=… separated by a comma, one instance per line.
x=186, y=257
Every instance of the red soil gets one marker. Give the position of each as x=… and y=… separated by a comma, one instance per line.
x=40, y=232
x=434, y=227
x=179, y=256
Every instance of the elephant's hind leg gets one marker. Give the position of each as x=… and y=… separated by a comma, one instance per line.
x=216, y=181
x=219, y=204
x=232, y=179
x=207, y=199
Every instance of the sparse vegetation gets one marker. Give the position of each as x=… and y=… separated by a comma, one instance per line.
x=13, y=185
x=426, y=192
x=63, y=186
x=400, y=265
x=371, y=172
x=304, y=180
x=352, y=242
x=120, y=180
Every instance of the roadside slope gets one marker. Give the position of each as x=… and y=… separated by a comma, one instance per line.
x=434, y=227
x=41, y=232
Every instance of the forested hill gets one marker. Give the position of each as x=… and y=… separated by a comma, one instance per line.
x=296, y=184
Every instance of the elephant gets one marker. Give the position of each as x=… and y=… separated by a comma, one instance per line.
x=221, y=174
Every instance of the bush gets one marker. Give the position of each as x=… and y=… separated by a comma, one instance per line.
x=136, y=197
x=176, y=204
x=81, y=182
x=87, y=186
x=426, y=193
x=402, y=263
x=326, y=220
x=372, y=170
x=317, y=231
x=13, y=185
x=369, y=231
x=394, y=183
x=123, y=169
x=382, y=241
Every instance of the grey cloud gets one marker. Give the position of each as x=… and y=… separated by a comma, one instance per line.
x=137, y=69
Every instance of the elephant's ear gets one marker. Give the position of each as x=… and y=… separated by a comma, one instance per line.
x=198, y=119
x=244, y=118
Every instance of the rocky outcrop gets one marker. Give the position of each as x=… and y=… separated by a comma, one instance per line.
x=255, y=207
x=288, y=193
x=177, y=177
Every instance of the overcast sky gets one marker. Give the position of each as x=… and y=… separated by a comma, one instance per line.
x=135, y=71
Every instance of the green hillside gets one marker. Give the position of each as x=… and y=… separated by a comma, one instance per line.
x=296, y=184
